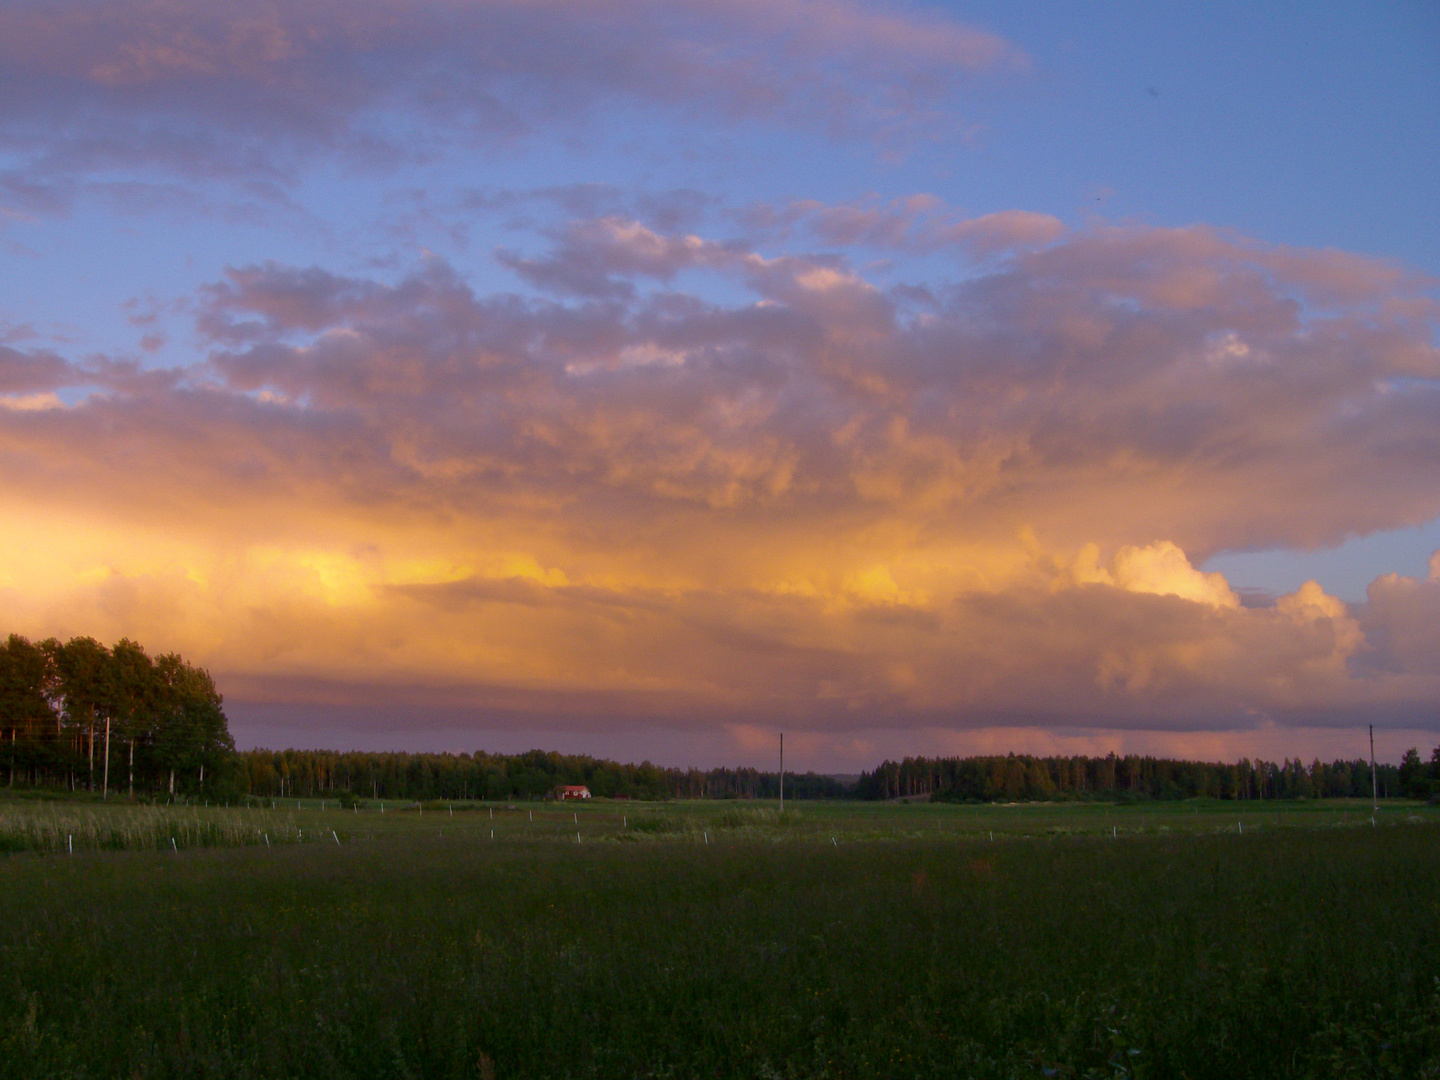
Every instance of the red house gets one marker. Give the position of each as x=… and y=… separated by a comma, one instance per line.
x=572, y=791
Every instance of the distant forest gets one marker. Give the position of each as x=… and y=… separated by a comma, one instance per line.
x=318, y=773
x=1021, y=777
x=80, y=716
x=531, y=775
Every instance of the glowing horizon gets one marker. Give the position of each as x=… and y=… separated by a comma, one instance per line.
x=403, y=451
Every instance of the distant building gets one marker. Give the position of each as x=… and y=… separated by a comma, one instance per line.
x=572, y=791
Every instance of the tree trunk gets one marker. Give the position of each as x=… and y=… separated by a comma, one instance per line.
x=105, y=791
x=132, y=768
x=92, y=755
x=172, y=781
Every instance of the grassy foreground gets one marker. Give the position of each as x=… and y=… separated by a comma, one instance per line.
x=1082, y=941
x=87, y=823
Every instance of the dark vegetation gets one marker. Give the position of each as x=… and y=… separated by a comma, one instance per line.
x=1299, y=952
x=532, y=775
x=78, y=716
x=1015, y=777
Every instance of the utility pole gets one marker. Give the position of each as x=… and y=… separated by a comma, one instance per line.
x=1374, y=781
x=782, y=772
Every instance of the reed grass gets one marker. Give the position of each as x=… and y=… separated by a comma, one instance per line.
x=58, y=827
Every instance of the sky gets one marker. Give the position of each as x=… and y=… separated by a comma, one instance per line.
x=646, y=379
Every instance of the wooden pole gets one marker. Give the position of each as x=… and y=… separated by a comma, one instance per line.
x=1374, y=782
x=782, y=772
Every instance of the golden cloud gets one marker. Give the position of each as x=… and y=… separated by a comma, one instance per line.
x=831, y=503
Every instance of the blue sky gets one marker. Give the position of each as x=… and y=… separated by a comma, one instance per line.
x=232, y=243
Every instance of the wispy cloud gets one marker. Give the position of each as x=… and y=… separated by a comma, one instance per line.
x=225, y=89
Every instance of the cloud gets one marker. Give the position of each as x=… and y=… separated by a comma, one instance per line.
x=29, y=371
x=914, y=223
x=593, y=257
x=812, y=499
x=230, y=90
x=1160, y=569
x=30, y=402
x=1008, y=230
x=1401, y=625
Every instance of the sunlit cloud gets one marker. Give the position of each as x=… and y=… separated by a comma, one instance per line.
x=823, y=502
x=30, y=402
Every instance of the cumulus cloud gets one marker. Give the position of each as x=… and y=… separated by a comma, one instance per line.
x=818, y=501
x=25, y=371
x=1160, y=569
x=595, y=258
x=1401, y=625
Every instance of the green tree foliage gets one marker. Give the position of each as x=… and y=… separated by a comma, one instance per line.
x=1417, y=779
x=532, y=775
x=1019, y=777
x=25, y=677
x=167, y=730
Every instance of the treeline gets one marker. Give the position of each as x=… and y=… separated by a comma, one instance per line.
x=1016, y=777
x=536, y=774
x=82, y=716
x=532, y=775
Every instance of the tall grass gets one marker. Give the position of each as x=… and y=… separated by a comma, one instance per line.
x=58, y=827
x=731, y=822
x=53, y=826
x=1276, y=953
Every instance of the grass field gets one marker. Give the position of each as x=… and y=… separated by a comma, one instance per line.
x=81, y=825
x=720, y=940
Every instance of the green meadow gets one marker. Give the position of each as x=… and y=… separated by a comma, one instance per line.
x=719, y=939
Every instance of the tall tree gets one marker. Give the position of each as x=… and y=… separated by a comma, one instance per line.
x=87, y=692
x=191, y=735
x=1414, y=778
x=25, y=708
x=137, y=692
